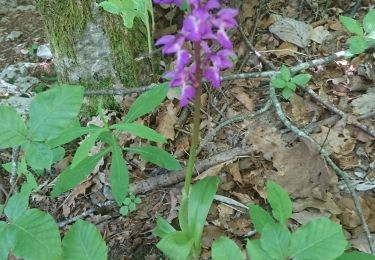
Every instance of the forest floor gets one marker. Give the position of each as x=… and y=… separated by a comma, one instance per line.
x=244, y=152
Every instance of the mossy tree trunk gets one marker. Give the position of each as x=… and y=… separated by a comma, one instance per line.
x=92, y=47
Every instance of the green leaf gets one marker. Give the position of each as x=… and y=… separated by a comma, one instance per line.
x=124, y=210
x=163, y=228
x=38, y=155
x=278, y=83
x=37, y=236
x=225, y=248
x=280, y=202
x=356, y=256
x=85, y=147
x=351, y=25
x=147, y=102
x=83, y=241
x=119, y=174
x=18, y=203
x=301, y=79
x=318, y=239
x=287, y=92
x=255, y=251
x=291, y=86
x=201, y=197
x=141, y=131
x=275, y=240
x=157, y=156
x=260, y=217
x=369, y=21
x=357, y=44
x=284, y=73
x=58, y=154
x=176, y=245
x=6, y=241
x=69, y=135
x=12, y=128
x=71, y=177
x=52, y=111
x=111, y=7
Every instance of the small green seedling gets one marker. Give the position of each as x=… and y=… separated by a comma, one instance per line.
x=364, y=35
x=130, y=204
x=32, y=49
x=283, y=80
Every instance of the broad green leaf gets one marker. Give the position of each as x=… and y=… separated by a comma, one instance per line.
x=52, y=111
x=119, y=174
x=111, y=7
x=356, y=256
x=287, y=92
x=225, y=248
x=58, y=154
x=85, y=147
x=318, y=239
x=292, y=86
x=163, y=228
x=176, y=245
x=357, y=44
x=6, y=241
x=301, y=79
x=275, y=240
x=37, y=236
x=69, y=135
x=147, y=102
x=260, y=217
x=284, y=73
x=17, y=205
x=280, y=202
x=200, y=200
x=13, y=131
x=38, y=155
x=141, y=131
x=369, y=21
x=278, y=83
x=157, y=156
x=255, y=251
x=351, y=25
x=83, y=241
x=71, y=177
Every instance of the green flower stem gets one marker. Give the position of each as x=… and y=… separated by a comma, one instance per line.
x=183, y=213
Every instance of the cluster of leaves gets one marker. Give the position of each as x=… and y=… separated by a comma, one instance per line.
x=131, y=9
x=34, y=234
x=283, y=80
x=320, y=238
x=364, y=35
x=129, y=204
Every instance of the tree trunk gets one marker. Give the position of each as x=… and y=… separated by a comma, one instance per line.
x=92, y=47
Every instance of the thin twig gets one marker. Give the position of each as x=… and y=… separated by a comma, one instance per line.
x=13, y=174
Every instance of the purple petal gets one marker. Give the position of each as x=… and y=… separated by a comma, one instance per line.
x=212, y=74
x=187, y=94
x=223, y=39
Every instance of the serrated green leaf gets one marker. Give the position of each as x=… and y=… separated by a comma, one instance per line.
x=119, y=174
x=13, y=131
x=369, y=21
x=147, y=102
x=69, y=135
x=225, y=248
x=287, y=92
x=357, y=44
x=52, y=111
x=71, y=177
x=260, y=217
x=301, y=79
x=39, y=156
x=284, y=73
x=318, y=239
x=127, y=201
x=141, y=131
x=132, y=206
x=278, y=83
x=162, y=227
x=37, y=236
x=176, y=245
x=124, y=210
x=85, y=147
x=83, y=241
x=137, y=200
x=200, y=200
x=280, y=202
x=351, y=25
x=356, y=256
x=255, y=251
x=275, y=240
x=157, y=156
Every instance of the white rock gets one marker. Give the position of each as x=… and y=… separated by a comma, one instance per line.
x=44, y=52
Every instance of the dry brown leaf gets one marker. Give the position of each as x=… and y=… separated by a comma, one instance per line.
x=166, y=121
x=286, y=49
x=319, y=34
x=234, y=170
x=302, y=111
x=244, y=98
